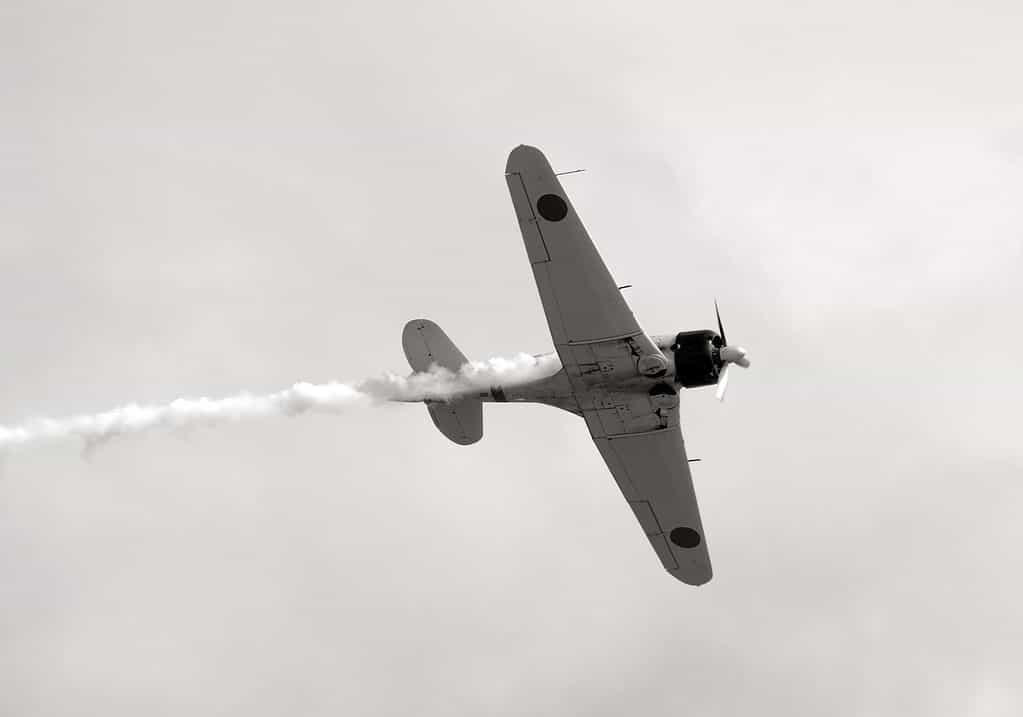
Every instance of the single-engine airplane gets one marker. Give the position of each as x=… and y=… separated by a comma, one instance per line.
x=623, y=382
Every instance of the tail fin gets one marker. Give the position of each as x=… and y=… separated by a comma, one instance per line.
x=426, y=344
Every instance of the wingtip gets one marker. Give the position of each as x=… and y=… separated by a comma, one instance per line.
x=523, y=156
x=694, y=577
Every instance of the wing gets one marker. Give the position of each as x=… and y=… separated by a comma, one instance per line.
x=652, y=471
x=599, y=343
x=594, y=332
x=581, y=300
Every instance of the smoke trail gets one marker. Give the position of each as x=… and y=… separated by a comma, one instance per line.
x=441, y=384
x=333, y=397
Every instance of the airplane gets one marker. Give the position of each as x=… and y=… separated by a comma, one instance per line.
x=621, y=381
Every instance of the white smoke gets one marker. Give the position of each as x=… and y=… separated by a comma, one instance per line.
x=437, y=384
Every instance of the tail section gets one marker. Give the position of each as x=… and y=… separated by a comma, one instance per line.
x=426, y=344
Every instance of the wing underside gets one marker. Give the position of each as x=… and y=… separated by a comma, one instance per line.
x=579, y=296
x=635, y=426
x=653, y=474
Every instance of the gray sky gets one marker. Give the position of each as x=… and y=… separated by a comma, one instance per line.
x=197, y=198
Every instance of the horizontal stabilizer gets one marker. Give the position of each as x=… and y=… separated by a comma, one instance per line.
x=461, y=420
x=426, y=345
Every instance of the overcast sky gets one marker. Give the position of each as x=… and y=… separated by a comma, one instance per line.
x=202, y=197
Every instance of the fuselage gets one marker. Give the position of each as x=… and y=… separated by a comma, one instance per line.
x=690, y=359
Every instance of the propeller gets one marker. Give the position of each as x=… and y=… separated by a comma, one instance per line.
x=722, y=383
x=728, y=355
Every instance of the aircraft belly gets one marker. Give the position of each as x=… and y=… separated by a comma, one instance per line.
x=554, y=391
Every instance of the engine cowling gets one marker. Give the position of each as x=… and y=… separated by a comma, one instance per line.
x=697, y=360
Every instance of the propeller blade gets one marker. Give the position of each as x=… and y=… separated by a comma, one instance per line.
x=723, y=383
x=721, y=328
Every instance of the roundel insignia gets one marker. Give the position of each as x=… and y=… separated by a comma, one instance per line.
x=552, y=207
x=685, y=537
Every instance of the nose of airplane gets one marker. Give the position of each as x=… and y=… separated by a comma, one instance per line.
x=735, y=354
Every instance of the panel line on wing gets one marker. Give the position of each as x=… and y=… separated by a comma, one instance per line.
x=647, y=517
x=552, y=307
x=613, y=436
x=535, y=222
x=620, y=337
x=660, y=545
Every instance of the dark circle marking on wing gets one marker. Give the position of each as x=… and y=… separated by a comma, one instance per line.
x=552, y=207
x=685, y=537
